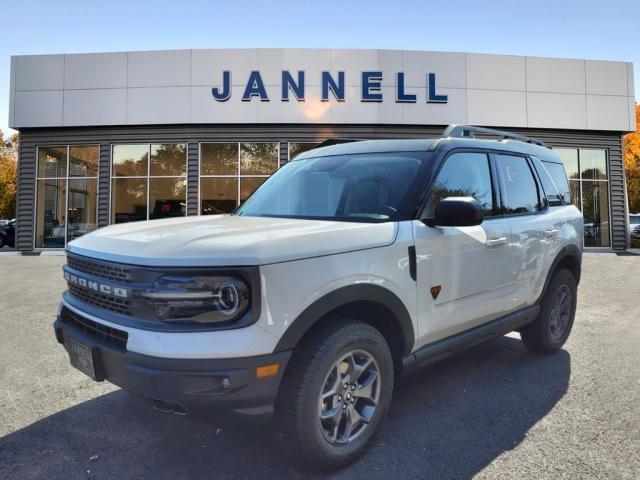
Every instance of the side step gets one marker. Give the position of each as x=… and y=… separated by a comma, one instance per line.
x=434, y=352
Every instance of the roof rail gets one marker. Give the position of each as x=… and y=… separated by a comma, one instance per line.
x=336, y=141
x=469, y=131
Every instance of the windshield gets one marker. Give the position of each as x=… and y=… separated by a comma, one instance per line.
x=634, y=219
x=367, y=187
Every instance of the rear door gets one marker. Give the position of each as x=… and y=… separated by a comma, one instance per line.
x=534, y=227
x=463, y=273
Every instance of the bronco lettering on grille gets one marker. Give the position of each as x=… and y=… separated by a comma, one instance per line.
x=95, y=286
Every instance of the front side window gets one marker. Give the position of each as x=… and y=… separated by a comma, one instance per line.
x=363, y=187
x=463, y=175
x=518, y=186
x=148, y=181
x=66, y=189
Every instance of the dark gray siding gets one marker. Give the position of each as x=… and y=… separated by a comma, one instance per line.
x=26, y=195
x=193, y=134
x=193, y=171
x=104, y=184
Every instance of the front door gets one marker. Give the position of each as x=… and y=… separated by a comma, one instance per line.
x=463, y=273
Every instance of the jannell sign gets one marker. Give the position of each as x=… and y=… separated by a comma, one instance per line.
x=371, y=88
x=280, y=86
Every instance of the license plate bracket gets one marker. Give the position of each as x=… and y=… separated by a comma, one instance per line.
x=84, y=357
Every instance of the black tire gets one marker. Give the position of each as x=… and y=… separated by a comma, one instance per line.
x=2, y=241
x=302, y=435
x=544, y=335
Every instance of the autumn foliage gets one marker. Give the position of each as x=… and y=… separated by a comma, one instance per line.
x=632, y=165
x=8, y=165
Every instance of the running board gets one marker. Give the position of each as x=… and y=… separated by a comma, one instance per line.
x=434, y=352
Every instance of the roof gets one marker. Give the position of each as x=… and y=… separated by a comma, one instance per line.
x=372, y=146
x=419, y=145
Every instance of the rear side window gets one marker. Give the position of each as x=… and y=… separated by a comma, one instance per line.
x=463, y=175
x=518, y=185
x=559, y=177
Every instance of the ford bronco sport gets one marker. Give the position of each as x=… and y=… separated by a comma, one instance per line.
x=354, y=264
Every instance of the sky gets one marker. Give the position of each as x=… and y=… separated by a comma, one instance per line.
x=560, y=28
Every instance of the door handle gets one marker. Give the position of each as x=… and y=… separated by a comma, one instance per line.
x=550, y=232
x=495, y=242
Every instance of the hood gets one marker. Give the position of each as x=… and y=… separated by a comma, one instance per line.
x=225, y=240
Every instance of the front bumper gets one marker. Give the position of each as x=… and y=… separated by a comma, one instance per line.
x=200, y=387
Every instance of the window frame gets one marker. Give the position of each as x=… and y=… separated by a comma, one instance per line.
x=148, y=176
x=66, y=179
x=238, y=176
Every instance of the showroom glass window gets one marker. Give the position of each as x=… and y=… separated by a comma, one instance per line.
x=230, y=172
x=148, y=181
x=66, y=193
x=589, y=182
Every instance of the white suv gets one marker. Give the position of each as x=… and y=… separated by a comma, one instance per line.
x=352, y=265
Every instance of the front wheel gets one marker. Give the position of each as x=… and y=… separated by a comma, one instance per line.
x=334, y=395
x=551, y=329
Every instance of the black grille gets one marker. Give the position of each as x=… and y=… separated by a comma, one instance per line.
x=102, y=333
x=101, y=300
x=104, y=270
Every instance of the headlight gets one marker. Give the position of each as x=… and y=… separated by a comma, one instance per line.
x=198, y=299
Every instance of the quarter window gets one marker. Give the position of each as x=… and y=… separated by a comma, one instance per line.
x=557, y=173
x=518, y=186
x=463, y=175
x=554, y=181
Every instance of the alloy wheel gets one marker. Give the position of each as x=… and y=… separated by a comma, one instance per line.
x=349, y=397
x=560, y=312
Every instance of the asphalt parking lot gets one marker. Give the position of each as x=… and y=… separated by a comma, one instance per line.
x=496, y=411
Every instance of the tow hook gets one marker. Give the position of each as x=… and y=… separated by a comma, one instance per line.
x=168, y=407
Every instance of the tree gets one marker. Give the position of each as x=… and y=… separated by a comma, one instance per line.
x=632, y=165
x=8, y=176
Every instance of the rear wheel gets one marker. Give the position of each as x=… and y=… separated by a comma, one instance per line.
x=551, y=329
x=334, y=395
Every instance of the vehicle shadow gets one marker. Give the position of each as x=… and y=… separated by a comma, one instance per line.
x=447, y=421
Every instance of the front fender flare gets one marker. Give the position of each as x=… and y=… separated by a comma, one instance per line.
x=344, y=296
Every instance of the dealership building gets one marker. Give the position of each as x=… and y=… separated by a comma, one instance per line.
x=129, y=136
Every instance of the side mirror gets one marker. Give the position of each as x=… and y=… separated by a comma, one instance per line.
x=456, y=212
